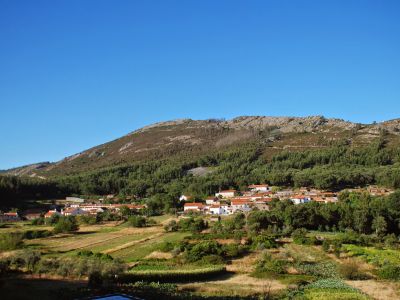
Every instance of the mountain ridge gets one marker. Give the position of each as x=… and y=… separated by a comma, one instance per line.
x=172, y=137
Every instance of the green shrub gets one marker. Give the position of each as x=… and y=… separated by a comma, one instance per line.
x=167, y=247
x=269, y=265
x=300, y=236
x=261, y=242
x=88, y=253
x=173, y=275
x=325, y=269
x=389, y=271
x=11, y=241
x=66, y=225
x=38, y=221
x=36, y=234
x=192, y=224
x=198, y=251
x=171, y=226
x=137, y=221
x=351, y=271
x=27, y=259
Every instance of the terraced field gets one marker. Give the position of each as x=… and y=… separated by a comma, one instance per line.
x=118, y=240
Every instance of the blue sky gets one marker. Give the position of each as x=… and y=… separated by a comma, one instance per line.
x=74, y=74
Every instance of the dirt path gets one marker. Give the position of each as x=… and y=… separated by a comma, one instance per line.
x=378, y=290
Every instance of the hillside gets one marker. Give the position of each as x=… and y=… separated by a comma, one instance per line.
x=198, y=137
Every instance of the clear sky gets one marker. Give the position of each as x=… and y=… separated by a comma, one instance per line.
x=78, y=73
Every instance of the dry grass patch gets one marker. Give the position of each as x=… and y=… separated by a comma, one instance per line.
x=379, y=290
x=159, y=255
x=237, y=285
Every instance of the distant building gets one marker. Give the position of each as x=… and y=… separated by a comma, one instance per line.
x=259, y=188
x=226, y=194
x=74, y=212
x=51, y=213
x=211, y=200
x=185, y=198
x=240, y=205
x=75, y=199
x=193, y=206
x=10, y=217
x=300, y=199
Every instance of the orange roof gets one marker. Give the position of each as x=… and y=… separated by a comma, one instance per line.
x=215, y=206
x=13, y=214
x=239, y=202
x=194, y=204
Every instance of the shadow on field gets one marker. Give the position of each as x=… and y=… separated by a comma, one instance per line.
x=19, y=288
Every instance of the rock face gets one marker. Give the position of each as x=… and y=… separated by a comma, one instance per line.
x=197, y=137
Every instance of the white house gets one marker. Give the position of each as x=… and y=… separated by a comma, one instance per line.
x=10, y=217
x=51, y=213
x=259, y=188
x=300, y=199
x=193, y=206
x=184, y=198
x=226, y=194
x=74, y=212
x=211, y=200
x=240, y=205
x=216, y=209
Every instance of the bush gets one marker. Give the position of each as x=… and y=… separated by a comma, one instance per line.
x=38, y=221
x=389, y=271
x=269, y=265
x=324, y=269
x=300, y=236
x=326, y=246
x=173, y=275
x=11, y=241
x=212, y=260
x=27, y=259
x=89, y=219
x=66, y=225
x=137, y=221
x=36, y=234
x=167, y=247
x=198, y=251
x=192, y=224
x=351, y=271
x=88, y=253
x=171, y=226
x=261, y=242
x=234, y=250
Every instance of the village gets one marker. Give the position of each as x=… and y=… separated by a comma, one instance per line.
x=224, y=202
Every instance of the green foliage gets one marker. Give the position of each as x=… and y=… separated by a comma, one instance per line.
x=171, y=226
x=137, y=221
x=198, y=251
x=324, y=269
x=300, y=236
x=11, y=241
x=36, y=234
x=389, y=271
x=66, y=225
x=260, y=242
x=192, y=224
x=351, y=271
x=98, y=255
x=270, y=266
x=174, y=274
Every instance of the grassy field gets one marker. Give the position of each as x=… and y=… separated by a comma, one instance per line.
x=141, y=249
